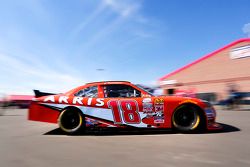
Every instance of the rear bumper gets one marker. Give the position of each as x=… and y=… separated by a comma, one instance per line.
x=37, y=112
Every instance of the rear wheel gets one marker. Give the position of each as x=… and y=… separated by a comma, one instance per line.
x=186, y=118
x=71, y=121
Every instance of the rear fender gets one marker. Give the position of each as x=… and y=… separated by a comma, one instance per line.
x=38, y=112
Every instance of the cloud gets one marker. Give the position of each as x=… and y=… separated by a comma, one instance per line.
x=124, y=8
x=87, y=21
x=143, y=34
x=246, y=29
x=105, y=31
x=38, y=57
x=20, y=76
x=115, y=16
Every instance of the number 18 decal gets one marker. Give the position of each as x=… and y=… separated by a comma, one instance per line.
x=126, y=110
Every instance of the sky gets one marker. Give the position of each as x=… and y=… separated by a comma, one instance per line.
x=55, y=45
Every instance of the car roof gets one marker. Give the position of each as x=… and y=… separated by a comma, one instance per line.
x=108, y=82
x=104, y=83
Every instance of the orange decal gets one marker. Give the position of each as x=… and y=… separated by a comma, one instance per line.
x=188, y=101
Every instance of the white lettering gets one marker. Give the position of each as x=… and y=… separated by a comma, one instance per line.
x=63, y=99
x=49, y=98
x=99, y=102
x=77, y=100
x=90, y=101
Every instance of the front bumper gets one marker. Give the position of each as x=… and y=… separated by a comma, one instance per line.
x=214, y=126
x=211, y=116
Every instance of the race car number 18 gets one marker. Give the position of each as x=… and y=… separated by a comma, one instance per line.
x=126, y=110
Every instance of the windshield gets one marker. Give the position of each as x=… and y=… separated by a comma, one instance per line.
x=146, y=89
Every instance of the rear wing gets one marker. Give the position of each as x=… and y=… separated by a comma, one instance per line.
x=40, y=94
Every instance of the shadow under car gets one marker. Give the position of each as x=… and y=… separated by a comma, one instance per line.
x=137, y=131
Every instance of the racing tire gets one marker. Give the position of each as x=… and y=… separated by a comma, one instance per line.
x=187, y=118
x=71, y=121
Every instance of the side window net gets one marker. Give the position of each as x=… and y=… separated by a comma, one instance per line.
x=120, y=91
x=88, y=92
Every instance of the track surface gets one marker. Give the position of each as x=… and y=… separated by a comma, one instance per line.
x=33, y=144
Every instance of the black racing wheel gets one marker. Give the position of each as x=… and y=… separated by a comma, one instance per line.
x=186, y=118
x=71, y=121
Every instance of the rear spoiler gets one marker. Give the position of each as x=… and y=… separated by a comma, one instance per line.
x=40, y=94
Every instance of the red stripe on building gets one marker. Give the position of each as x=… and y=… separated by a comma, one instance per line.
x=205, y=57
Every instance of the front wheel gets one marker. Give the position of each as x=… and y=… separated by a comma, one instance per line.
x=186, y=118
x=71, y=121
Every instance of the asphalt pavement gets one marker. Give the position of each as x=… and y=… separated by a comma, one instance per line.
x=26, y=143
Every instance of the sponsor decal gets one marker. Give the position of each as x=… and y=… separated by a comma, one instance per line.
x=117, y=113
x=159, y=105
x=99, y=102
x=125, y=111
x=146, y=100
x=49, y=99
x=210, y=113
x=63, y=99
x=77, y=100
x=158, y=119
x=159, y=101
x=145, y=95
x=159, y=110
x=147, y=107
x=91, y=122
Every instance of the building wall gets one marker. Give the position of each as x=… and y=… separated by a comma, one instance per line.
x=213, y=74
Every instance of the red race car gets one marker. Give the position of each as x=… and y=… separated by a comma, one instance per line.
x=121, y=104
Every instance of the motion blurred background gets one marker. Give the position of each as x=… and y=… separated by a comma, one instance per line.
x=196, y=48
